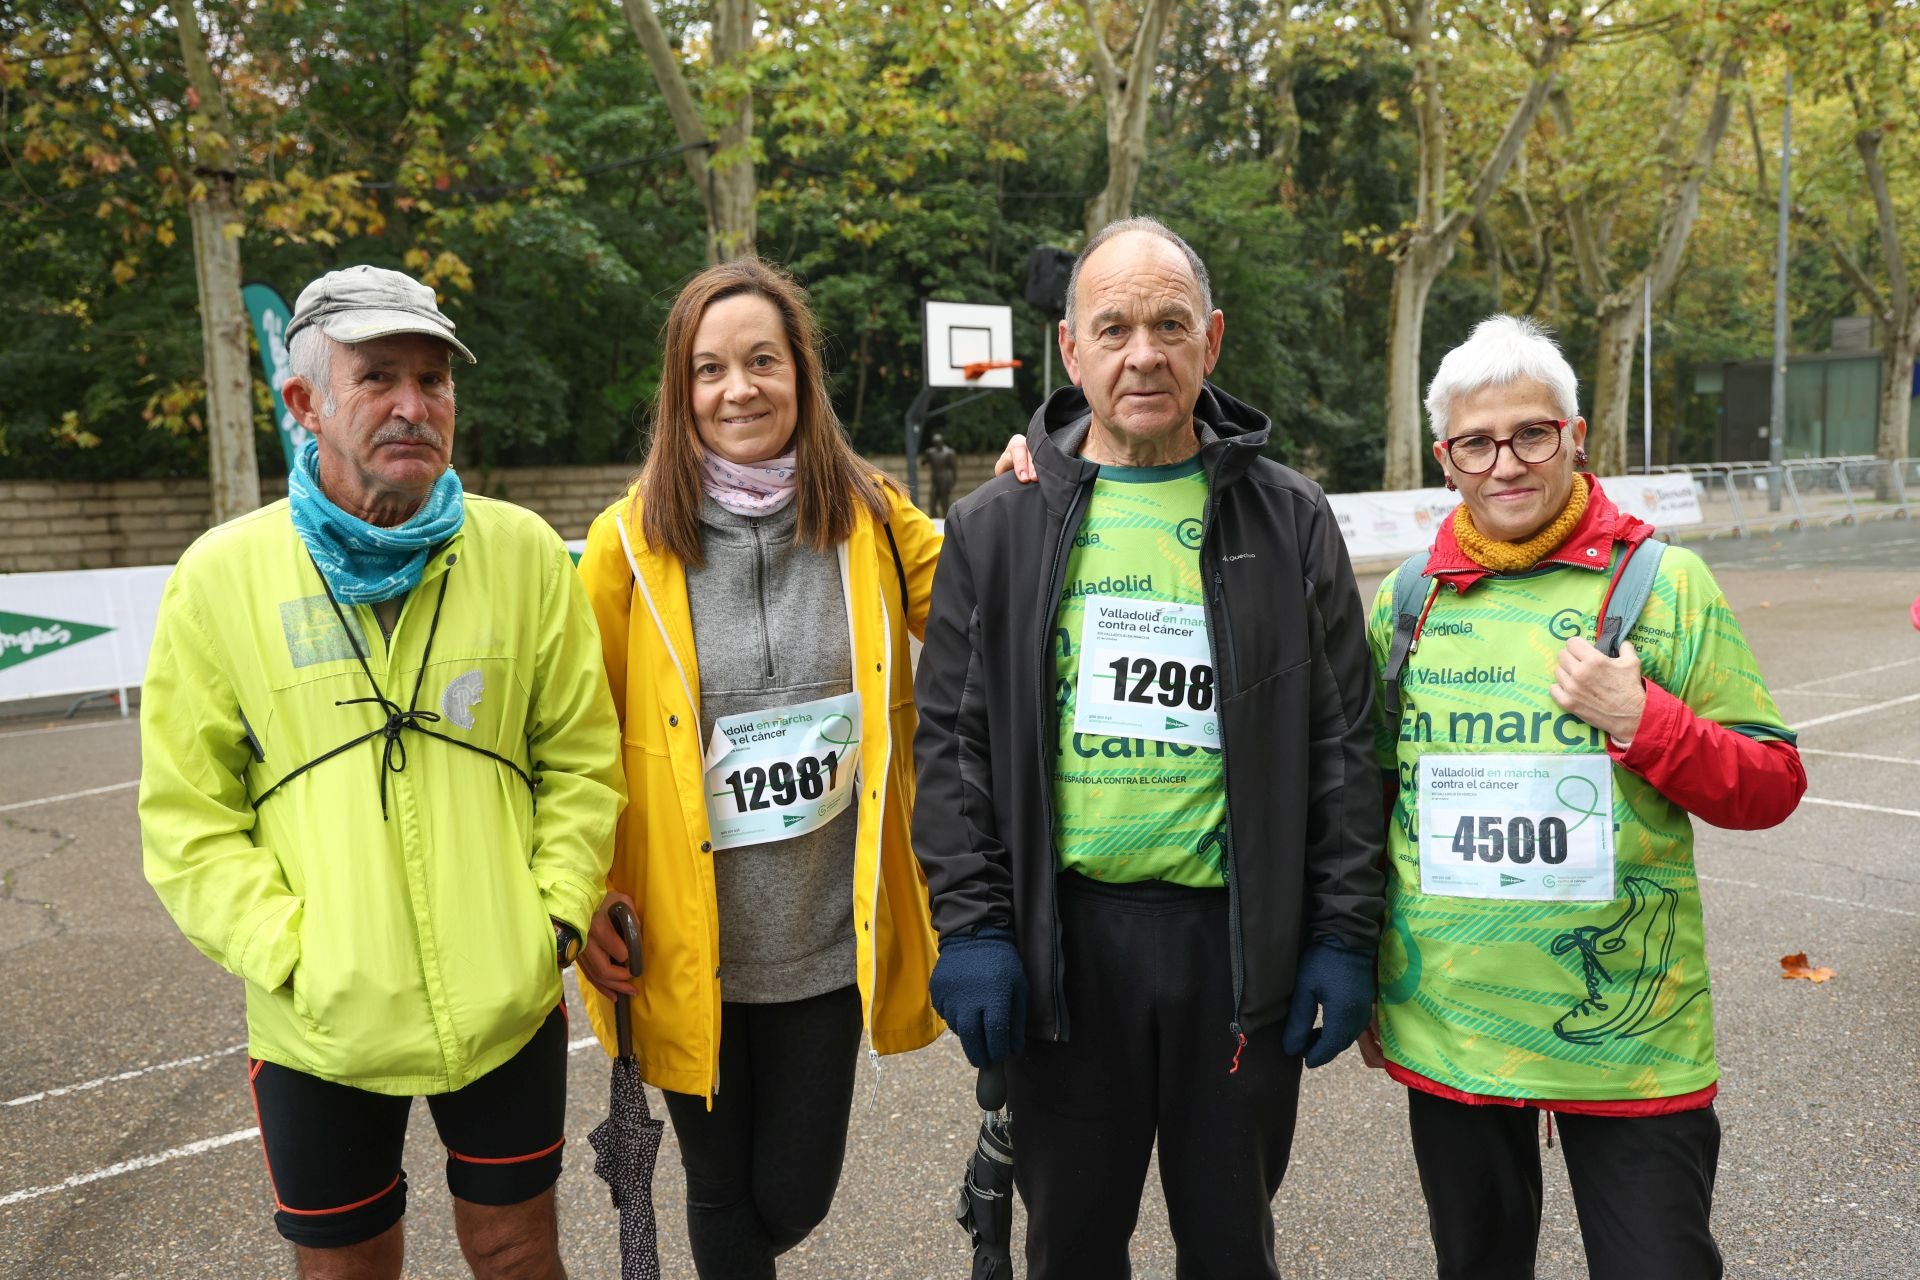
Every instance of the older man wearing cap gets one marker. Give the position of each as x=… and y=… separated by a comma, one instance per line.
x=380, y=781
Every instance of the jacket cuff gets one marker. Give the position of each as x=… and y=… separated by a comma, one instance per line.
x=1661, y=724
x=265, y=946
x=572, y=901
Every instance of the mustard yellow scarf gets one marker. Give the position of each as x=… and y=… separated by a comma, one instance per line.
x=1513, y=557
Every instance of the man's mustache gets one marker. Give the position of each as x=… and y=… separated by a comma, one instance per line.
x=408, y=433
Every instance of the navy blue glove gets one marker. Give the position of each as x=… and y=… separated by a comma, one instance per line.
x=980, y=990
x=1338, y=985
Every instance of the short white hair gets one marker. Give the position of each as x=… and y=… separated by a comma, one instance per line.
x=1501, y=351
x=310, y=357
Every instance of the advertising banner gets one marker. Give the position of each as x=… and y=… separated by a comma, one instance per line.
x=271, y=315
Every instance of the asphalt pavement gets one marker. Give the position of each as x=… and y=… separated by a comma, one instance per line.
x=126, y=1130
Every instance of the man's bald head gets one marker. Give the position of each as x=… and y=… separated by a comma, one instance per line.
x=1143, y=226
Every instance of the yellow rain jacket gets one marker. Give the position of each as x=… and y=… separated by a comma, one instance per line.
x=409, y=953
x=661, y=858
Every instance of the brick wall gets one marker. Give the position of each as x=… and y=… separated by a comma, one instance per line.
x=49, y=524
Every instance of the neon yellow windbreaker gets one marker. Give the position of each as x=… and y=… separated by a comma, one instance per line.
x=646, y=630
x=405, y=954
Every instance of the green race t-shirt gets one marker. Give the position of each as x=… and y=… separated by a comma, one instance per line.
x=1137, y=808
x=1564, y=1000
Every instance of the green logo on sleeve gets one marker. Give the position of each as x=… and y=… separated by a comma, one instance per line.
x=24, y=637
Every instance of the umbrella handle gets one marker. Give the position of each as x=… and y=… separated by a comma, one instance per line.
x=990, y=1091
x=622, y=917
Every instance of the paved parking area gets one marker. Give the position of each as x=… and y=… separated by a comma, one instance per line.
x=126, y=1132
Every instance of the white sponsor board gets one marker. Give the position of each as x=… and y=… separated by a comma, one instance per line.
x=71, y=633
x=1383, y=526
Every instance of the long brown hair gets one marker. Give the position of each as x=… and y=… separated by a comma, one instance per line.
x=833, y=480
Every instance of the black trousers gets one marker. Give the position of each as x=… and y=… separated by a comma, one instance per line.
x=1642, y=1185
x=762, y=1166
x=1149, y=993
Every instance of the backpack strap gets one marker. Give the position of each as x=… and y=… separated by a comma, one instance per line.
x=1632, y=585
x=1409, y=595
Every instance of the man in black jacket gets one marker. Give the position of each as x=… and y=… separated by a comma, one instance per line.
x=1148, y=813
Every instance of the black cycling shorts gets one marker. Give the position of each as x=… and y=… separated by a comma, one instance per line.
x=333, y=1151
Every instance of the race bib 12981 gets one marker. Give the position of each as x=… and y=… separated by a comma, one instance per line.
x=780, y=773
x=1146, y=671
x=1523, y=827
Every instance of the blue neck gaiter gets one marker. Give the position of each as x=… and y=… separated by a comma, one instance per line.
x=364, y=563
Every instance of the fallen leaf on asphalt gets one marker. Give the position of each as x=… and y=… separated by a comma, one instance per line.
x=1766, y=604
x=1796, y=966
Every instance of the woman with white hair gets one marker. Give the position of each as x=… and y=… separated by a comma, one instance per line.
x=1560, y=697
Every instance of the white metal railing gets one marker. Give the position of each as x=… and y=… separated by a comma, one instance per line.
x=1738, y=498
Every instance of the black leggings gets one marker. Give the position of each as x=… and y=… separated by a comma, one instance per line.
x=1642, y=1187
x=762, y=1166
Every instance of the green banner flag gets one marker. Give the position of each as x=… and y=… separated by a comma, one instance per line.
x=24, y=637
x=271, y=315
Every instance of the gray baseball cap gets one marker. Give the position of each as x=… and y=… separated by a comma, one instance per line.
x=359, y=304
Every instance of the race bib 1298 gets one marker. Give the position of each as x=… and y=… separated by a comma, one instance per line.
x=1146, y=671
x=780, y=773
x=1522, y=827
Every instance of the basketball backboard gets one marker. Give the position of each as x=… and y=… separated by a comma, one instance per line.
x=958, y=334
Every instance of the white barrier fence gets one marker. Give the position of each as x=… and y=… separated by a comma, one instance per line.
x=73, y=633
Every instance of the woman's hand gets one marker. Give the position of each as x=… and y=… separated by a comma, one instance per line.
x=1017, y=458
x=1606, y=693
x=1369, y=1043
x=604, y=957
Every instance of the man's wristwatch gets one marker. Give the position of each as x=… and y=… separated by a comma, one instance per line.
x=566, y=943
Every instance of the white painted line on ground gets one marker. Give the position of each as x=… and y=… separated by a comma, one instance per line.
x=1851, y=712
x=116, y=1078
x=69, y=795
x=1848, y=675
x=1869, y=808
x=1815, y=897
x=131, y=1166
x=1857, y=755
x=172, y=1153
x=71, y=728
x=1821, y=693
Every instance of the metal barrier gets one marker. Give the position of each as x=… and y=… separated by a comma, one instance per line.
x=1741, y=498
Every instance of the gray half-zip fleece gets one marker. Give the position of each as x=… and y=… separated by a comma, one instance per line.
x=770, y=629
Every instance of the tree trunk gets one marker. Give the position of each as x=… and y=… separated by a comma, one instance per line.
x=1896, y=400
x=721, y=168
x=1618, y=315
x=215, y=215
x=1126, y=91
x=1413, y=278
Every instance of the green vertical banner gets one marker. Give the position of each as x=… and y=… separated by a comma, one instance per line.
x=271, y=315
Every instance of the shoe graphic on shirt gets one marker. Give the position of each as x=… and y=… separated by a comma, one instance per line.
x=1623, y=966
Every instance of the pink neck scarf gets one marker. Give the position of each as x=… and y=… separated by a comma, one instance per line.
x=749, y=488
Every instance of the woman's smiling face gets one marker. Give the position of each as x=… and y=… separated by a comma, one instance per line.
x=745, y=386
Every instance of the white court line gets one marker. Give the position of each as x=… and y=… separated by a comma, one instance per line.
x=172, y=1153
x=70, y=728
x=1870, y=808
x=70, y=795
x=1848, y=714
x=1848, y=675
x=131, y=1166
x=135, y=1074
x=1816, y=897
x=1820, y=693
x=1857, y=755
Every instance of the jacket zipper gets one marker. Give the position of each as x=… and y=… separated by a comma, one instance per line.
x=760, y=593
x=1049, y=710
x=1236, y=944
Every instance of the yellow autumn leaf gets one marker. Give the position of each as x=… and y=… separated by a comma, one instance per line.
x=164, y=233
x=123, y=271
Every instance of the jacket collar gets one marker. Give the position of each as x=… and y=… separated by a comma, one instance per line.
x=1232, y=435
x=1589, y=546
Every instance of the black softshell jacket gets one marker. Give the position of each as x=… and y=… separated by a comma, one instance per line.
x=1288, y=633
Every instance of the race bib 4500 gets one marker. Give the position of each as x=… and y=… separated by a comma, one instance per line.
x=1522, y=827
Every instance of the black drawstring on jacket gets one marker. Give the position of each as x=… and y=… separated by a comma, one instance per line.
x=393, y=754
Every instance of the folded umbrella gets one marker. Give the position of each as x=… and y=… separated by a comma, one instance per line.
x=986, y=1196
x=627, y=1142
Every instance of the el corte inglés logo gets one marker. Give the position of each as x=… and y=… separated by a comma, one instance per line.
x=24, y=637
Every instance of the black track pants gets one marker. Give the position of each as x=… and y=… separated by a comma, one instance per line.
x=1149, y=991
x=1643, y=1187
x=763, y=1164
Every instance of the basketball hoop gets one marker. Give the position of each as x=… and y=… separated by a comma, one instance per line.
x=976, y=369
